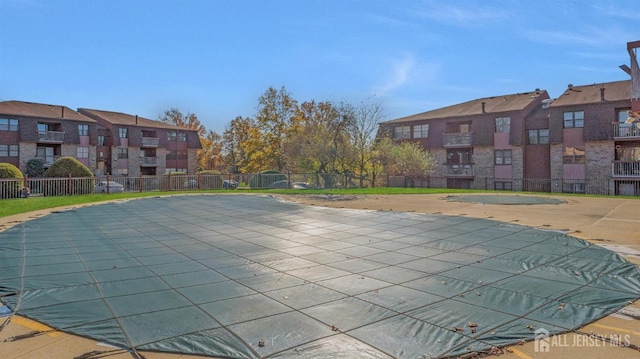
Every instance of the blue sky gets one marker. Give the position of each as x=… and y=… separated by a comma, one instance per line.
x=215, y=58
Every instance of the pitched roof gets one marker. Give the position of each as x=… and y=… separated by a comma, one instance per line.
x=495, y=104
x=576, y=95
x=119, y=118
x=41, y=110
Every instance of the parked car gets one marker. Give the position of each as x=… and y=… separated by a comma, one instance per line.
x=229, y=184
x=300, y=185
x=108, y=187
x=288, y=184
x=191, y=184
x=279, y=184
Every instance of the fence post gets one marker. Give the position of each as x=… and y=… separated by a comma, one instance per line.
x=108, y=180
x=69, y=186
x=140, y=182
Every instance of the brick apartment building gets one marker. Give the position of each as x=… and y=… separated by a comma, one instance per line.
x=585, y=141
x=106, y=142
x=474, y=140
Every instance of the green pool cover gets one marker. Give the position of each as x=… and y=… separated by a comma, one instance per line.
x=246, y=276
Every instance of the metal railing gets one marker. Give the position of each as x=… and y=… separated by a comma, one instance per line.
x=625, y=169
x=457, y=139
x=461, y=170
x=148, y=161
x=50, y=136
x=150, y=141
x=15, y=188
x=626, y=130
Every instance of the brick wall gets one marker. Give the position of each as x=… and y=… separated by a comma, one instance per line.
x=27, y=152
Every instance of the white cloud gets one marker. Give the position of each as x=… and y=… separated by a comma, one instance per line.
x=462, y=15
x=404, y=72
x=589, y=36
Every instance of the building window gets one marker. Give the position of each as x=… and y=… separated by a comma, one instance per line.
x=101, y=140
x=9, y=151
x=503, y=124
x=503, y=186
x=402, y=132
x=573, y=187
x=171, y=170
x=122, y=132
x=421, y=131
x=573, y=119
x=83, y=130
x=122, y=171
x=8, y=124
x=83, y=152
x=502, y=157
x=539, y=137
x=573, y=155
x=123, y=153
x=623, y=115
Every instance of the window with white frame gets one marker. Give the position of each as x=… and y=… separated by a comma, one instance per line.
x=101, y=140
x=503, y=124
x=182, y=136
x=83, y=130
x=502, y=157
x=623, y=115
x=402, y=132
x=82, y=152
x=9, y=151
x=539, y=136
x=122, y=171
x=573, y=119
x=123, y=153
x=421, y=131
x=573, y=155
x=8, y=124
x=122, y=132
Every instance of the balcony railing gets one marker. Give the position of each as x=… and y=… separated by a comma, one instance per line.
x=458, y=170
x=48, y=160
x=150, y=142
x=51, y=136
x=148, y=161
x=459, y=139
x=625, y=169
x=626, y=130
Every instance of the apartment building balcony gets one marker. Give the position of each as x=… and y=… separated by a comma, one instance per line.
x=150, y=142
x=626, y=131
x=51, y=136
x=458, y=170
x=458, y=139
x=620, y=169
x=148, y=161
x=48, y=160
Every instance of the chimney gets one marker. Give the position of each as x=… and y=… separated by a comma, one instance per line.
x=602, y=94
x=62, y=111
x=483, y=110
x=136, y=119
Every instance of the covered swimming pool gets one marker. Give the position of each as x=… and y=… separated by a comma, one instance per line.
x=248, y=276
